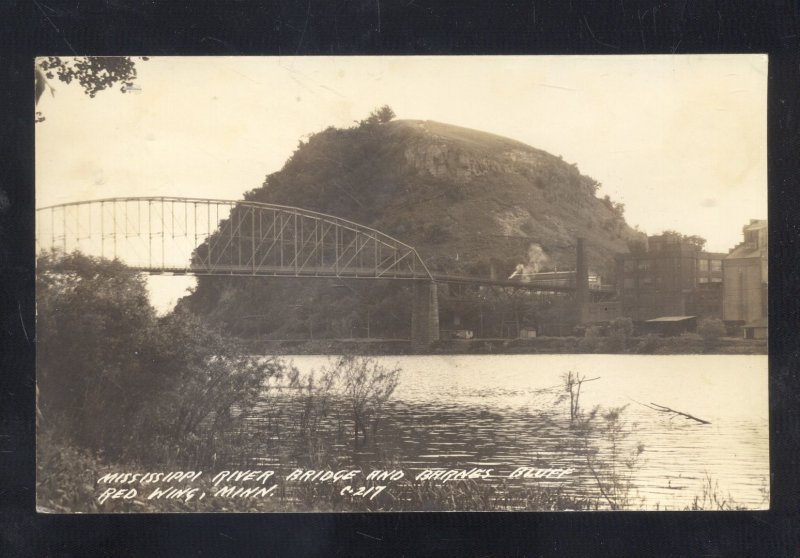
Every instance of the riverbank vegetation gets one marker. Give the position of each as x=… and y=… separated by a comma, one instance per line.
x=116, y=379
x=118, y=385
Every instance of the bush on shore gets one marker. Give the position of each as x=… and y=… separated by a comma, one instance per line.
x=115, y=379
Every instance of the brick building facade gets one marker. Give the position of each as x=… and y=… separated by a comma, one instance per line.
x=670, y=277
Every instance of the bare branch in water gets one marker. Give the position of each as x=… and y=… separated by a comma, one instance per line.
x=663, y=409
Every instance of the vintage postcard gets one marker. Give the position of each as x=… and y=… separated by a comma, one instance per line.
x=456, y=283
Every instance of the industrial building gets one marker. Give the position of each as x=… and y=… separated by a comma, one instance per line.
x=671, y=276
x=745, y=278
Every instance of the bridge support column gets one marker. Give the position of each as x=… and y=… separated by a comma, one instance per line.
x=424, y=316
x=581, y=283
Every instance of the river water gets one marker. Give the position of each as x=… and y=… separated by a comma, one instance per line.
x=503, y=412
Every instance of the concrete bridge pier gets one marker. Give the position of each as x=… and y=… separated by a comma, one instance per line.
x=424, y=316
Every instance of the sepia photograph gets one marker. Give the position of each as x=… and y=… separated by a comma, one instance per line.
x=401, y=283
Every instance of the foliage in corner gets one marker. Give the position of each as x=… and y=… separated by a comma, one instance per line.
x=92, y=73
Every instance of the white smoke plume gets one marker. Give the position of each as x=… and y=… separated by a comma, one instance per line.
x=536, y=258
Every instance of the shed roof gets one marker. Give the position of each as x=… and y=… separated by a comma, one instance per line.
x=671, y=319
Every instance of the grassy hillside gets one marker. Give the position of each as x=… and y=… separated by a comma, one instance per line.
x=469, y=201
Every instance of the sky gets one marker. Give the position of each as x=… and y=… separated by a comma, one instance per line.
x=680, y=140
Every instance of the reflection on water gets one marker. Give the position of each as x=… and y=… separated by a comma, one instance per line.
x=500, y=412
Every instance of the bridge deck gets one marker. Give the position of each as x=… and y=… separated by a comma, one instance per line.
x=369, y=273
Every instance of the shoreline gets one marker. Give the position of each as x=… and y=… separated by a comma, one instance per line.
x=647, y=345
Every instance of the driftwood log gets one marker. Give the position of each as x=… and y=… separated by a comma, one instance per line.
x=663, y=409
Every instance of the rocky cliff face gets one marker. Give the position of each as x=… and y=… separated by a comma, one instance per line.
x=440, y=161
x=438, y=156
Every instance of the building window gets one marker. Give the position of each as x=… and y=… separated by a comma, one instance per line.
x=716, y=265
x=630, y=265
x=644, y=265
x=702, y=265
x=702, y=280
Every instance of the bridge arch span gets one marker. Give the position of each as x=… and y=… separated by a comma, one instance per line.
x=225, y=237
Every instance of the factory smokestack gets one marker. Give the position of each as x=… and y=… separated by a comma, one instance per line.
x=581, y=283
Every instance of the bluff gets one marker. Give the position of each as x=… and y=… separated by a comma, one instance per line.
x=470, y=202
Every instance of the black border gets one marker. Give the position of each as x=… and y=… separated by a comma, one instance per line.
x=262, y=27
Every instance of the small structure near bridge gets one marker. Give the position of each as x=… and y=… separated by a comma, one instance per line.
x=757, y=329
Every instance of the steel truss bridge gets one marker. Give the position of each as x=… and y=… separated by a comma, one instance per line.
x=223, y=237
x=174, y=235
